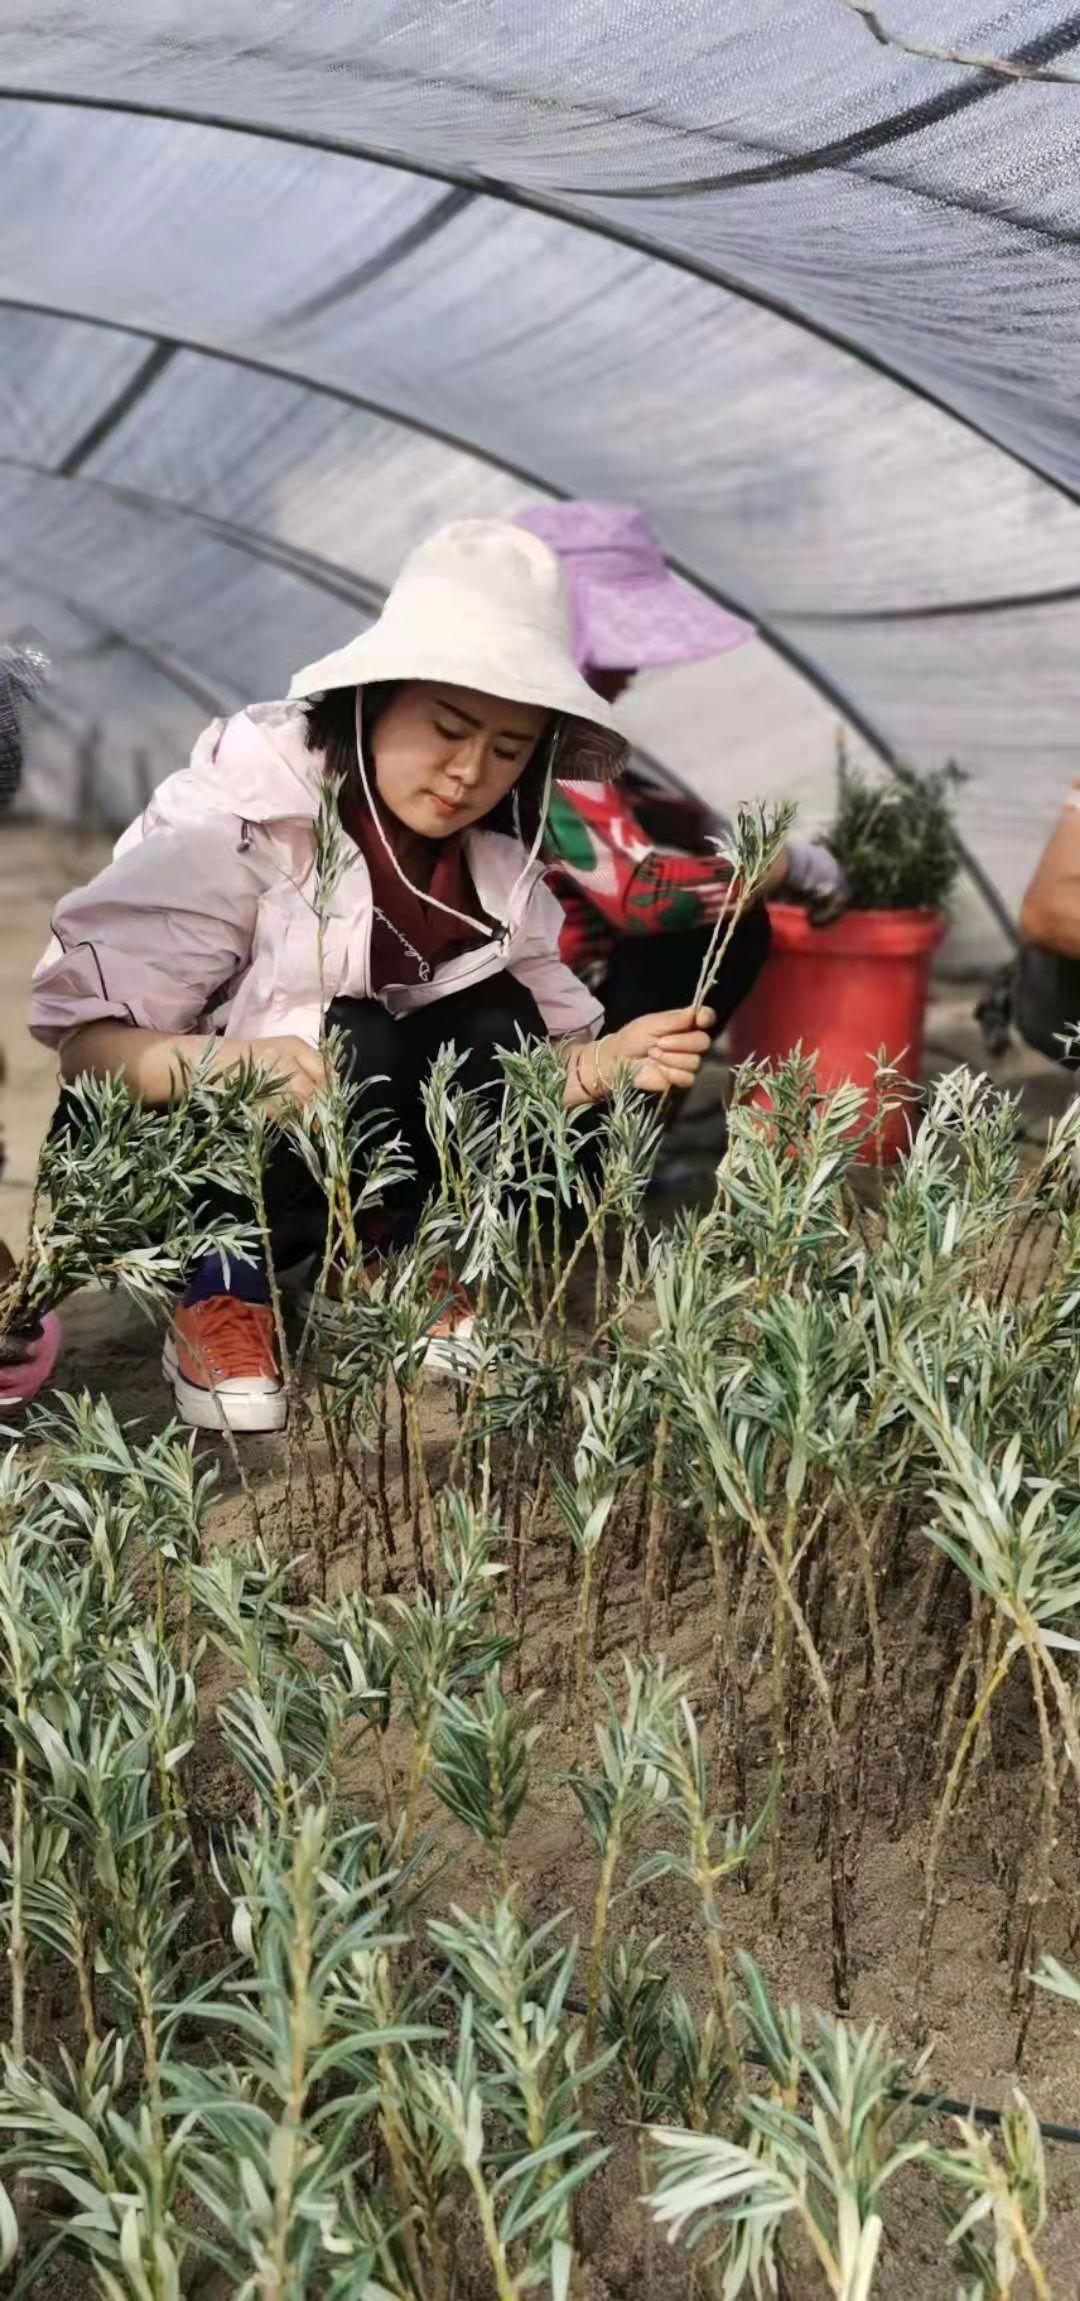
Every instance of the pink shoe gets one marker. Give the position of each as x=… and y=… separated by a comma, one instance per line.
x=21, y=1381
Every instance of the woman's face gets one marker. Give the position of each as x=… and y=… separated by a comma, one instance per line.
x=444, y=756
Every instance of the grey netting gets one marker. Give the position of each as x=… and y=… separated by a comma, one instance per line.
x=282, y=287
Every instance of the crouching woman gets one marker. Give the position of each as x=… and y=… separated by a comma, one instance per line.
x=441, y=728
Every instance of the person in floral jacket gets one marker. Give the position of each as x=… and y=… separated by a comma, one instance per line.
x=640, y=886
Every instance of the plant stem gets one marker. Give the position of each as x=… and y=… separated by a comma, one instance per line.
x=536, y=1251
x=337, y=1453
x=1065, y=1710
x=382, y=1492
x=581, y=1637
x=397, y=2153
x=1040, y=1886
x=943, y=1720
x=718, y=1967
x=996, y=1671
x=802, y=1627
x=725, y=1656
x=654, y=1536
x=17, y=1933
x=867, y=1543
x=287, y=2160
x=85, y=1984
x=599, y=1931
x=263, y=1225
x=722, y=934
x=505, y=2285
x=404, y=1452
x=596, y=1218
x=519, y=1564
x=419, y=1762
x=1022, y=2241
x=600, y=1285
x=839, y=1887
x=779, y=1727
x=426, y=1538
x=475, y=1391
x=144, y=1991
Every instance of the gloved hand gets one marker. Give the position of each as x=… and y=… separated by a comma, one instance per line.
x=814, y=873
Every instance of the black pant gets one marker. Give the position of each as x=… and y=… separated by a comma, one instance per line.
x=650, y=972
x=395, y=1055
x=1046, y=1004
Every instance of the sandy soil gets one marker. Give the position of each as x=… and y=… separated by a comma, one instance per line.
x=972, y=2021
x=108, y=1345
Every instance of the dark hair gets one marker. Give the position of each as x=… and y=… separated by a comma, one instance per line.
x=331, y=729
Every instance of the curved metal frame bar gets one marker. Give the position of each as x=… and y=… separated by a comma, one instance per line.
x=557, y=211
x=783, y=646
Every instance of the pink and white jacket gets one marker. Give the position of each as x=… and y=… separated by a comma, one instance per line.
x=205, y=919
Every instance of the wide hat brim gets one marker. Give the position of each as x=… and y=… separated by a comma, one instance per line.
x=515, y=662
x=650, y=626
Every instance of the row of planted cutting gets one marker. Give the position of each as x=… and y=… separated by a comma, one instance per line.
x=296, y=2058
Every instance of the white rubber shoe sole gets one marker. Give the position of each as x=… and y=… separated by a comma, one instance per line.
x=452, y=1357
x=449, y=1357
x=234, y=1405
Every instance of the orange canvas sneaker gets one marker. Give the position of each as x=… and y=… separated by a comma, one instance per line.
x=221, y=1359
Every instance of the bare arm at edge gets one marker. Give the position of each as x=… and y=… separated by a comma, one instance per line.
x=1050, y=911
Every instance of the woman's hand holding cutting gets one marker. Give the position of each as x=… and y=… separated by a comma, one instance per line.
x=663, y=1053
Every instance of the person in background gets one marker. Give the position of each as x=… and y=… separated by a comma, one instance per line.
x=28, y=1355
x=1045, y=995
x=640, y=886
x=438, y=730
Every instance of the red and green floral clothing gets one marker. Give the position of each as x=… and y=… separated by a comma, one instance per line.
x=612, y=879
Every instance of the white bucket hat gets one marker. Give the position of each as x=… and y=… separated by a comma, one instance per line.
x=482, y=604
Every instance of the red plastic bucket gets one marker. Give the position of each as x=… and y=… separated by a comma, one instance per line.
x=843, y=992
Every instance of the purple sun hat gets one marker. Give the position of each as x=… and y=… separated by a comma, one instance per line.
x=629, y=612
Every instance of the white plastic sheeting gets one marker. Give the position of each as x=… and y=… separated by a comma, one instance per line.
x=281, y=287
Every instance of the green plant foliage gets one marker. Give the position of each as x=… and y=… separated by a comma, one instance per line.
x=895, y=837
x=821, y=2153
x=334, y=1860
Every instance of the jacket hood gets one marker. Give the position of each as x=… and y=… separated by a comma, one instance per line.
x=258, y=764
x=255, y=766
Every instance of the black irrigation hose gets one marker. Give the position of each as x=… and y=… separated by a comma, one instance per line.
x=942, y=2104
x=946, y=2107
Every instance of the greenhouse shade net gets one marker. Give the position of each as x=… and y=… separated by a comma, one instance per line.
x=281, y=289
